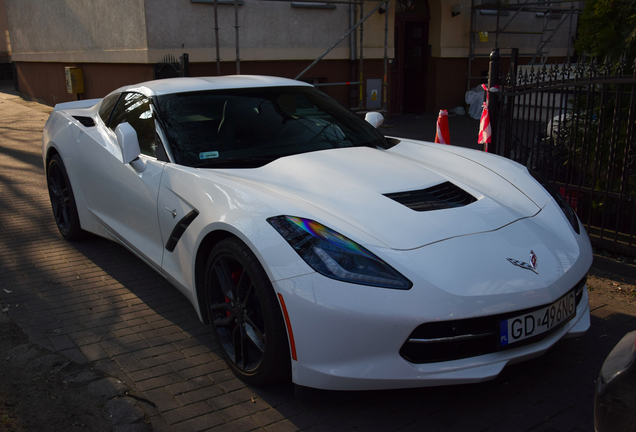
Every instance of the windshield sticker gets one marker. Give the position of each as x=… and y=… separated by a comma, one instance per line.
x=209, y=155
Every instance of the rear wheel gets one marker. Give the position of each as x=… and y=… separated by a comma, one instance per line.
x=62, y=200
x=245, y=315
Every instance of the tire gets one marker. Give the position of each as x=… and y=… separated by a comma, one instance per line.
x=245, y=315
x=63, y=200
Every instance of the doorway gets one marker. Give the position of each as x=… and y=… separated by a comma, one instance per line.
x=408, y=69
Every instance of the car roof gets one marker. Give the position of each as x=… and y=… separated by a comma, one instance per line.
x=181, y=85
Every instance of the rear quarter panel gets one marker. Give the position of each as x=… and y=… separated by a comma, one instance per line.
x=62, y=134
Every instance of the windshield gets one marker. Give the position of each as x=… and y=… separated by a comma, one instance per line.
x=251, y=127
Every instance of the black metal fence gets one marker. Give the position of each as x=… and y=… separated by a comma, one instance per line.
x=574, y=124
x=169, y=67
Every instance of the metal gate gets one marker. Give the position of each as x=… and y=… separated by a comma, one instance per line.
x=574, y=124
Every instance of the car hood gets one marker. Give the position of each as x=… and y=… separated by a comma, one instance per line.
x=350, y=184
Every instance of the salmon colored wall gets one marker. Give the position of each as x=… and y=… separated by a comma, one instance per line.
x=45, y=82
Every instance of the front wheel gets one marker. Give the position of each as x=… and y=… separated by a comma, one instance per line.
x=63, y=200
x=245, y=314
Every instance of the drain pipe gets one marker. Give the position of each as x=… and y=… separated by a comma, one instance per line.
x=216, y=36
x=236, y=27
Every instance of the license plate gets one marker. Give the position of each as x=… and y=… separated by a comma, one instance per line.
x=534, y=323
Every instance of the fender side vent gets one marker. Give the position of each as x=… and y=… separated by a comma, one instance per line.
x=86, y=121
x=179, y=229
x=442, y=196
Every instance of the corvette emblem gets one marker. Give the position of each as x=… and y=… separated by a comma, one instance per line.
x=531, y=266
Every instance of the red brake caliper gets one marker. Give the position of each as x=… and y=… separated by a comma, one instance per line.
x=235, y=277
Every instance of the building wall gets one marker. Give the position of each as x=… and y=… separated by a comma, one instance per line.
x=143, y=31
x=527, y=43
x=274, y=38
x=450, y=36
x=117, y=42
x=299, y=32
x=45, y=81
x=5, y=42
x=77, y=30
x=335, y=71
x=268, y=31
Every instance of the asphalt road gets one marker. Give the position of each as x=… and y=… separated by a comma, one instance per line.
x=96, y=303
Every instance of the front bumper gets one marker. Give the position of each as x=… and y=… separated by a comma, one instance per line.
x=348, y=337
x=345, y=346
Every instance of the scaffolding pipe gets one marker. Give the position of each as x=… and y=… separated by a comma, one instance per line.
x=336, y=84
x=542, y=44
x=385, y=84
x=489, y=6
x=511, y=32
x=512, y=18
x=236, y=27
x=471, y=43
x=340, y=40
x=361, y=55
x=216, y=37
x=353, y=49
x=325, y=1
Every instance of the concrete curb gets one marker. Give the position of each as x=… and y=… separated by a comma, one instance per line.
x=616, y=267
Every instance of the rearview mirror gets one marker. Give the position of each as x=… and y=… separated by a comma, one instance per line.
x=129, y=144
x=374, y=118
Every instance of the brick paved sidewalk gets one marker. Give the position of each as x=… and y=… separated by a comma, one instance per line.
x=95, y=302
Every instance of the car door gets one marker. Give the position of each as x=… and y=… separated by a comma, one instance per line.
x=123, y=199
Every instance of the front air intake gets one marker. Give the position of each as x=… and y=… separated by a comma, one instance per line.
x=442, y=196
x=441, y=341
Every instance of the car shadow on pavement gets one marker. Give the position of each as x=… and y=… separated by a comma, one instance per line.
x=108, y=306
x=117, y=313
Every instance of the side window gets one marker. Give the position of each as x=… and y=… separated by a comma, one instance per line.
x=134, y=108
x=107, y=107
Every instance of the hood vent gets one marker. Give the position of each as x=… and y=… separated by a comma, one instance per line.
x=442, y=196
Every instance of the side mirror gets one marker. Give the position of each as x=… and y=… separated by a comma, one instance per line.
x=129, y=144
x=374, y=118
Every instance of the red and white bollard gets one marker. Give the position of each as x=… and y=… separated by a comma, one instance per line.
x=485, y=133
x=443, y=134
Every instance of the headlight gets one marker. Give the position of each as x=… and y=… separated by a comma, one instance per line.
x=335, y=256
x=565, y=207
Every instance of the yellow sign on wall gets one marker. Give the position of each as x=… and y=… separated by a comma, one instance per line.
x=483, y=36
x=74, y=79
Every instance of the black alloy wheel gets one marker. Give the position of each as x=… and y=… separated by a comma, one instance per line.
x=62, y=200
x=245, y=314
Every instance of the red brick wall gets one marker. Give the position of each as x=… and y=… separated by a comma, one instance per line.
x=45, y=82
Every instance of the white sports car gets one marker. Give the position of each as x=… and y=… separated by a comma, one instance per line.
x=313, y=245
